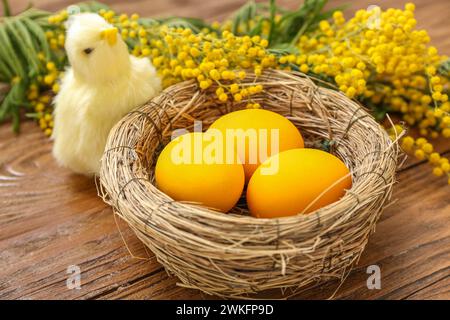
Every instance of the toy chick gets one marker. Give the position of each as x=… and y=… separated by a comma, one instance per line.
x=102, y=84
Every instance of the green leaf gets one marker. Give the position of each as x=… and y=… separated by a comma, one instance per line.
x=8, y=104
x=257, y=29
x=283, y=49
x=444, y=68
x=8, y=54
x=149, y=22
x=303, y=19
x=6, y=8
x=243, y=16
x=16, y=119
x=273, y=11
x=5, y=71
x=92, y=6
x=21, y=39
x=196, y=25
x=38, y=34
x=34, y=14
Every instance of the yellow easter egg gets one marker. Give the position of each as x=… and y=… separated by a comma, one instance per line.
x=188, y=170
x=257, y=134
x=296, y=181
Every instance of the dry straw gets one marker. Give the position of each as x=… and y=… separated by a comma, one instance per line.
x=234, y=254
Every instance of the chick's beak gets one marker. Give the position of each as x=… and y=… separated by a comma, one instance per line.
x=110, y=35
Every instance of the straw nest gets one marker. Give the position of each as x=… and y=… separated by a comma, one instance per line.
x=234, y=254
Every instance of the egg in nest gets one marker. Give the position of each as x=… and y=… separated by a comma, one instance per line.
x=301, y=181
x=257, y=134
x=191, y=168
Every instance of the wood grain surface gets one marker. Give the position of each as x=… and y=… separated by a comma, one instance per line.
x=51, y=219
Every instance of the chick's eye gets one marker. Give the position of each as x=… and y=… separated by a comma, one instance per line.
x=88, y=50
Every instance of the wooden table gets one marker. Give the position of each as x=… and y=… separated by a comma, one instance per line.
x=51, y=219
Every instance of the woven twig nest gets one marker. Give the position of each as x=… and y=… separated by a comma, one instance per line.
x=234, y=254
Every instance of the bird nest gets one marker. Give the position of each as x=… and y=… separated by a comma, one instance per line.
x=234, y=254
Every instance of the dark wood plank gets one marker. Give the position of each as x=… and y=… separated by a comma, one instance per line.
x=51, y=219
x=439, y=290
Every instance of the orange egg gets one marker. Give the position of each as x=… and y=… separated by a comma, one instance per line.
x=296, y=181
x=187, y=170
x=258, y=134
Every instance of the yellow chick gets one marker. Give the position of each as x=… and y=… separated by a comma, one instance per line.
x=102, y=84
